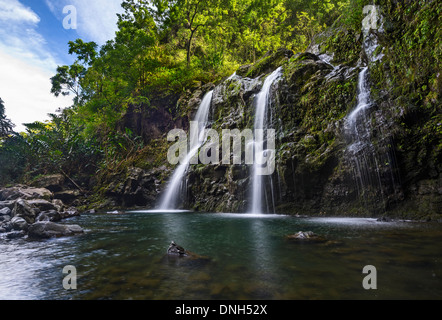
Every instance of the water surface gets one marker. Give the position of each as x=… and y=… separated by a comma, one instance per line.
x=122, y=256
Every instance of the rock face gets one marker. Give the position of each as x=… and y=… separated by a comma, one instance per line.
x=319, y=169
x=136, y=187
x=396, y=169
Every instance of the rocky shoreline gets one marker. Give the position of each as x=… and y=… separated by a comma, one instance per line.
x=34, y=213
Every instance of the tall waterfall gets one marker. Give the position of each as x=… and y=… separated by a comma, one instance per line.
x=372, y=165
x=263, y=100
x=173, y=191
x=358, y=130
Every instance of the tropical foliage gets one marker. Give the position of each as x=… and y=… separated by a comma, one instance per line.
x=162, y=48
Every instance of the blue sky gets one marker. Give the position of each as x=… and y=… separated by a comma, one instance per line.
x=33, y=42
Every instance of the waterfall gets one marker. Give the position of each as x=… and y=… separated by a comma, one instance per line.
x=370, y=162
x=358, y=129
x=263, y=100
x=173, y=191
x=363, y=101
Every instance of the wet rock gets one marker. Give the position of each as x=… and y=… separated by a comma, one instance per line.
x=47, y=229
x=69, y=213
x=19, y=223
x=306, y=236
x=24, y=210
x=5, y=218
x=5, y=211
x=51, y=215
x=5, y=226
x=176, y=249
x=15, y=234
x=59, y=205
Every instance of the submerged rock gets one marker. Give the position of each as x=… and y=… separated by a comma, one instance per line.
x=306, y=236
x=176, y=249
x=46, y=229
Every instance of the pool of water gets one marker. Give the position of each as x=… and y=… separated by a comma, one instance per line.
x=246, y=256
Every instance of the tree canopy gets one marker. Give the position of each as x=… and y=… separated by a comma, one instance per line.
x=162, y=48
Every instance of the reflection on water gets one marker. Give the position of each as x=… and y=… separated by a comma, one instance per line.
x=243, y=256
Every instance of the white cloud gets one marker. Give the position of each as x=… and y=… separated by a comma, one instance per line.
x=25, y=89
x=26, y=61
x=18, y=35
x=13, y=10
x=26, y=66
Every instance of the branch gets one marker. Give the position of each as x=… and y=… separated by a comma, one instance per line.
x=194, y=14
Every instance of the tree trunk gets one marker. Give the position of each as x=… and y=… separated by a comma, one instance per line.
x=189, y=46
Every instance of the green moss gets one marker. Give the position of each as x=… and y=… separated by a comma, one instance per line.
x=268, y=63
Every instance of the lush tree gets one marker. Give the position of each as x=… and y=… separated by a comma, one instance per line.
x=6, y=125
x=68, y=79
x=162, y=48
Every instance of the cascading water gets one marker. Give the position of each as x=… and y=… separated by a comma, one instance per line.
x=358, y=129
x=173, y=191
x=263, y=100
x=367, y=159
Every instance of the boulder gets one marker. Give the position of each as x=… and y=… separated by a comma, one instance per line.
x=69, y=213
x=5, y=226
x=26, y=193
x=5, y=211
x=43, y=205
x=51, y=215
x=7, y=204
x=67, y=196
x=24, y=210
x=59, y=205
x=47, y=229
x=15, y=234
x=18, y=223
x=52, y=182
x=5, y=218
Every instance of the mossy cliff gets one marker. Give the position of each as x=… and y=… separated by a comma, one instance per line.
x=396, y=174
